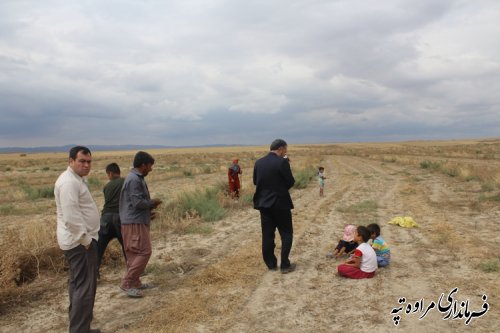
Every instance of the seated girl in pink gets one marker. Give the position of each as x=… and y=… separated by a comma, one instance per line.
x=363, y=262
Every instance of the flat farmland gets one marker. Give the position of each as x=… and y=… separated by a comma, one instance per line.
x=210, y=274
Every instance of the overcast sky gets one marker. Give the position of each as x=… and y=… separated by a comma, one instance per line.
x=246, y=72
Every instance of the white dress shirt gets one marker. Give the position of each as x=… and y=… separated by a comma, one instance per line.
x=77, y=213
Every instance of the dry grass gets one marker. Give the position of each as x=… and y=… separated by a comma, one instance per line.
x=29, y=255
x=201, y=296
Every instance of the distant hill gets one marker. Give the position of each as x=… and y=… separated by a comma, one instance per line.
x=50, y=149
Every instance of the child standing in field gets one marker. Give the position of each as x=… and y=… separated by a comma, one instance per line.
x=363, y=263
x=321, y=179
x=379, y=245
x=346, y=244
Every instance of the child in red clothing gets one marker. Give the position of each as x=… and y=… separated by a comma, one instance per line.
x=363, y=262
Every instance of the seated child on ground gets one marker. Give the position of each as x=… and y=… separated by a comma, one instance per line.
x=346, y=244
x=379, y=245
x=363, y=263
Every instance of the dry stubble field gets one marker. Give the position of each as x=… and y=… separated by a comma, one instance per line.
x=210, y=275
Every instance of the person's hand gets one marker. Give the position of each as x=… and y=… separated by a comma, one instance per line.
x=156, y=202
x=153, y=215
x=87, y=246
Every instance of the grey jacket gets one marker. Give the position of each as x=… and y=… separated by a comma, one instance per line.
x=135, y=202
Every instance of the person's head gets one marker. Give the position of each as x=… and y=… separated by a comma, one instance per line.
x=80, y=159
x=362, y=234
x=143, y=162
x=113, y=170
x=349, y=232
x=321, y=169
x=374, y=230
x=235, y=161
x=279, y=147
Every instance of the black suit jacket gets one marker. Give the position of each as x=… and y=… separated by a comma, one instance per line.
x=273, y=178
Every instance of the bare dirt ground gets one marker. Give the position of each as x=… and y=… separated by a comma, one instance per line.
x=217, y=282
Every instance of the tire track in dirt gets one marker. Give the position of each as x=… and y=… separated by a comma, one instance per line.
x=312, y=298
x=243, y=266
x=423, y=266
x=266, y=300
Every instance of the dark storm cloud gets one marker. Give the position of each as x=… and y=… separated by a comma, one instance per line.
x=198, y=72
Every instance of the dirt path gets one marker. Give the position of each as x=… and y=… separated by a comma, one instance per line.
x=217, y=282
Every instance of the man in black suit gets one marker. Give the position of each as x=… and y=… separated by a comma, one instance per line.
x=273, y=178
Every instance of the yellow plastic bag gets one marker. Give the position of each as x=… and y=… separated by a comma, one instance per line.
x=405, y=222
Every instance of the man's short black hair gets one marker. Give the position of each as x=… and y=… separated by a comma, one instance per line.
x=277, y=144
x=142, y=158
x=374, y=228
x=364, y=233
x=113, y=168
x=75, y=150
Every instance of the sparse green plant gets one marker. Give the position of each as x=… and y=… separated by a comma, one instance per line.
x=6, y=209
x=362, y=207
x=490, y=266
x=494, y=197
x=430, y=165
x=303, y=177
x=452, y=172
x=204, y=203
x=487, y=187
x=46, y=168
x=472, y=178
x=483, y=197
x=173, y=167
x=247, y=198
x=94, y=182
x=222, y=187
x=187, y=173
x=46, y=192
x=155, y=269
x=36, y=193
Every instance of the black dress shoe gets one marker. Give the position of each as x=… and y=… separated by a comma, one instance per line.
x=288, y=269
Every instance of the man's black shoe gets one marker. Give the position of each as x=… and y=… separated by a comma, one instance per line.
x=288, y=269
x=273, y=268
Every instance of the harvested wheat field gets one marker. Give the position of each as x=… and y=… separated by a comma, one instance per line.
x=207, y=263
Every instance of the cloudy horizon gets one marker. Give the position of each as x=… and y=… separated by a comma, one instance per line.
x=181, y=73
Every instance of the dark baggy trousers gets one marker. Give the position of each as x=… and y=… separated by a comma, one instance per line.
x=272, y=219
x=110, y=228
x=82, y=286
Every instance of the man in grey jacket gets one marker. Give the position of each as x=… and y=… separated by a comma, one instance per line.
x=136, y=208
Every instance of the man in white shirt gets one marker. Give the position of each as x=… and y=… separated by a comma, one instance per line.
x=77, y=234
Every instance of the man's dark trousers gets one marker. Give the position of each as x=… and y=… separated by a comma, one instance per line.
x=110, y=228
x=271, y=219
x=82, y=286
